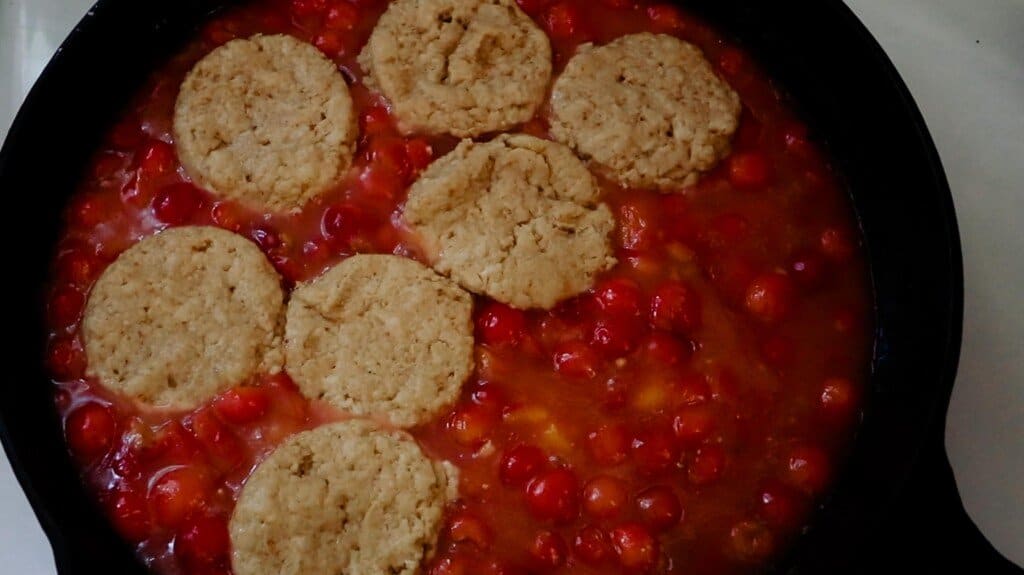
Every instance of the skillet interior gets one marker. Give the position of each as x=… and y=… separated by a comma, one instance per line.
x=840, y=80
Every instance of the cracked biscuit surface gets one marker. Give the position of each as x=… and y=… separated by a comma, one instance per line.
x=267, y=121
x=460, y=67
x=647, y=109
x=518, y=219
x=380, y=335
x=183, y=315
x=342, y=498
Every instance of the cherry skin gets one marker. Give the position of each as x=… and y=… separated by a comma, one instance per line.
x=808, y=468
x=707, y=466
x=664, y=17
x=471, y=424
x=306, y=8
x=562, y=20
x=693, y=424
x=341, y=223
x=158, y=158
x=592, y=546
x=780, y=505
x=769, y=297
x=79, y=267
x=66, y=358
x=203, y=540
x=619, y=296
x=419, y=153
x=130, y=512
x=376, y=120
x=468, y=527
x=837, y=244
x=548, y=550
x=456, y=564
x=615, y=336
x=65, y=306
x=242, y=405
x=177, y=204
x=330, y=43
x=532, y=7
x=659, y=507
x=520, y=463
x=220, y=443
x=675, y=308
x=751, y=541
x=91, y=430
x=499, y=324
x=575, y=359
x=654, y=452
x=838, y=397
x=635, y=546
x=177, y=493
x=553, y=496
x=342, y=16
x=604, y=496
x=665, y=348
x=389, y=157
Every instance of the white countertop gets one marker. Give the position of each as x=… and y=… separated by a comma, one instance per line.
x=964, y=63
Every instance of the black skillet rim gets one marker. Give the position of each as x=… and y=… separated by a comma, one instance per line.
x=81, y=537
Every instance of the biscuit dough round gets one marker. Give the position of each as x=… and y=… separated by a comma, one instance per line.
x=461, y=67
x=267, y=121
x=380, y=335
x=183, y=315
x=341, y=498
x=647, y=109
x=518, y=219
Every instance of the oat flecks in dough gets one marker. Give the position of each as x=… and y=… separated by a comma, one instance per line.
x=380, y=335
x=183, y=315
x=647, y=109
x=517, y=219
x=461, y=67
x=342, y=498
x=267, y=121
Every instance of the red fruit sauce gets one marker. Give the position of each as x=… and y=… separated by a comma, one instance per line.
x=681, y=417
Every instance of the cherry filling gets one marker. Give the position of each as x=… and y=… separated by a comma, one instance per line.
x=683, y=415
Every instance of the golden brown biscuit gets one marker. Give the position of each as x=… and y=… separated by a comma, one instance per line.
x=461, y=67
x=342, y=498
x=517, y=219
x=648, y=110
x=183, y=315
x=266, y=121
x=380, y=335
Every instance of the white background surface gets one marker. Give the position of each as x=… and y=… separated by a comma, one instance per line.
x=964, y=63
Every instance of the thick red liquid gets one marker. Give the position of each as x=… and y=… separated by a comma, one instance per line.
x=683, y=416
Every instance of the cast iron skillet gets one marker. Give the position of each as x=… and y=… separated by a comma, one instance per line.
x=895, y=507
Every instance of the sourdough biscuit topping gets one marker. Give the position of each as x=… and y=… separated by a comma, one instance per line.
x=462, y=67
x=342, y=498
x=517, y=219
x=647, y=109
x=381, y=335
x=267, y=121
x=183, y=315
